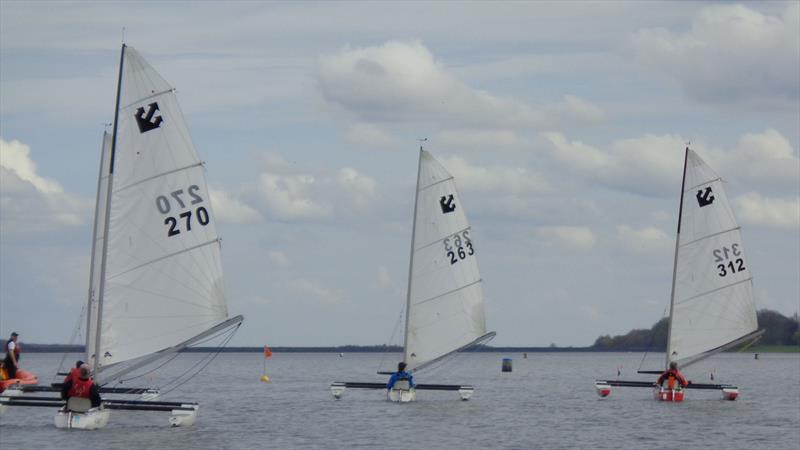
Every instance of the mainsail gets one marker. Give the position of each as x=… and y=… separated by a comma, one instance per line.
x=158, y=284
x=444, y=311
x=712, y=302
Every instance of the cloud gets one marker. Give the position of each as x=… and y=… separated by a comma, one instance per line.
x=31, y=203
x=278, y=258
x=731, y=54
x=576, y=238
x=754, y=209
x=403, y=82
x=230, y=210
x=513, y=180
x=362, y=190
x=313, y=290
x=287, y=197
x=767, y=158
x=369, y=135
x=647, y=240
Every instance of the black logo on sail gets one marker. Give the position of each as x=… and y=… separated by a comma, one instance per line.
x=704, y=198
x=148, y=122
x=447, y=203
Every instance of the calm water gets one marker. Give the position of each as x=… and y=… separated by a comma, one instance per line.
x=548, y=401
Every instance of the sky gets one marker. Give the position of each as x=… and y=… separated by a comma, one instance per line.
x=564, y=124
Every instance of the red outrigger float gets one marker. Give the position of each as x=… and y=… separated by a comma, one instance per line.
x=22, y=377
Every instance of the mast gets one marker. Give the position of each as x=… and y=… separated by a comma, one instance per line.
x=675, y=260
x=97, y=355
x=90, y=294
x=411, y=256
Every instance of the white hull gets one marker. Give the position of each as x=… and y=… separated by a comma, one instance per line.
x=93, y=419
x=402, y=395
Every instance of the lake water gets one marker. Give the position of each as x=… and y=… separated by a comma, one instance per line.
x=548, y=401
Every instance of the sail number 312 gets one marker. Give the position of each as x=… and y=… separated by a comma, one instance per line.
x=461, y=247
x=181, y=198
x=728, y=261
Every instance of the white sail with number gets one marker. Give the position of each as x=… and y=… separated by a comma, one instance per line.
x=445, y=310
x=712, y=305
x=160, y=282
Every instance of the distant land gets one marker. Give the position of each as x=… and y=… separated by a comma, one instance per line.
x=782, y=335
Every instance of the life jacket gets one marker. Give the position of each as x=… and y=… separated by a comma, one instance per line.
x=671, y=381
x=73, y=374
x=80, y=388
x=16, y=350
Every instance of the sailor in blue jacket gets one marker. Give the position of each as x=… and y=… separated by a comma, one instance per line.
x=401, y=374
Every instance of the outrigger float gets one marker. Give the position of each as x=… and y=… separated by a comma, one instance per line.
x=712, y=306
x=444, y=299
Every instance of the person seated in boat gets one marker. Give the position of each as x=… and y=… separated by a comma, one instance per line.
x=671, y=376
x=75, y=371
x=81, y=386
x=11, y=361
x=401, y=374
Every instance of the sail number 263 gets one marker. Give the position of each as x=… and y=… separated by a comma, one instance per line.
x=458, y=247
x=183, y=200
x=728, y=261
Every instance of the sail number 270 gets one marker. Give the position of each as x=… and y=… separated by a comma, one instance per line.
x=458, y=247
x=728, y=261
x=180, y=198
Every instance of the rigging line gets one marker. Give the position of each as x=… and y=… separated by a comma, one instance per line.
x=159, y=175
x=391, y=339
x=214, y=355
x=712, y=235
x=72, y=338
x=653, y=336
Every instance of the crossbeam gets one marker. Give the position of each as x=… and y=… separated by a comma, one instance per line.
x=650, y=384
x=419, y=387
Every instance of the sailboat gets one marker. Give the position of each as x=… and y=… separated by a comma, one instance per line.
x=444, y=311
x=155, y=283
x=712, y=307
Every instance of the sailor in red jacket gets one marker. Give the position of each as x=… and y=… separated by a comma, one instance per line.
x=81, y=386
x=672, y=375
x=74, y=373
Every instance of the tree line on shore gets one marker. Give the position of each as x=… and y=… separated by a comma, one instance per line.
x=779, y=330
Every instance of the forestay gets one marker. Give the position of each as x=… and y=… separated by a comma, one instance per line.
x=162, y=279
x=713, y=301
x=445, y=302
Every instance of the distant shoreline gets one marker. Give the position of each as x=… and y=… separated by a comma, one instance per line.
x=61, y=348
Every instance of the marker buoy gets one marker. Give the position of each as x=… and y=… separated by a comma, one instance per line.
x=264, y=378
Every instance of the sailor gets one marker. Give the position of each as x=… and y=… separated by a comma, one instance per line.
x=11, y=361
x=401, y=374
x=672, y=375
x=74, y=373
x=81, y=386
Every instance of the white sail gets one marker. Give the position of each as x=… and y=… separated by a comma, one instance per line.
x=98, y=236
x=445, y=309
x=162, y=281
x=713, y=302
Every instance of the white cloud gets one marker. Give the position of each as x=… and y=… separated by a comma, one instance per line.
x=362, y=190
x=403, y=82
x=731, y=54
x=32, y=203
x=369, y=135
x=313, y=290
x=578, y=238
x=648, y=240
x=755, y=209
x=278, y=258
x=766, y=157
x=514, y=180
x=287, y=197
x=230, y=210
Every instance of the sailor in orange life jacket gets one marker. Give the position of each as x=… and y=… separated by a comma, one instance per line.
x=671, y=376
x=81, y=386
x=11, y=361
x=75, y=372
